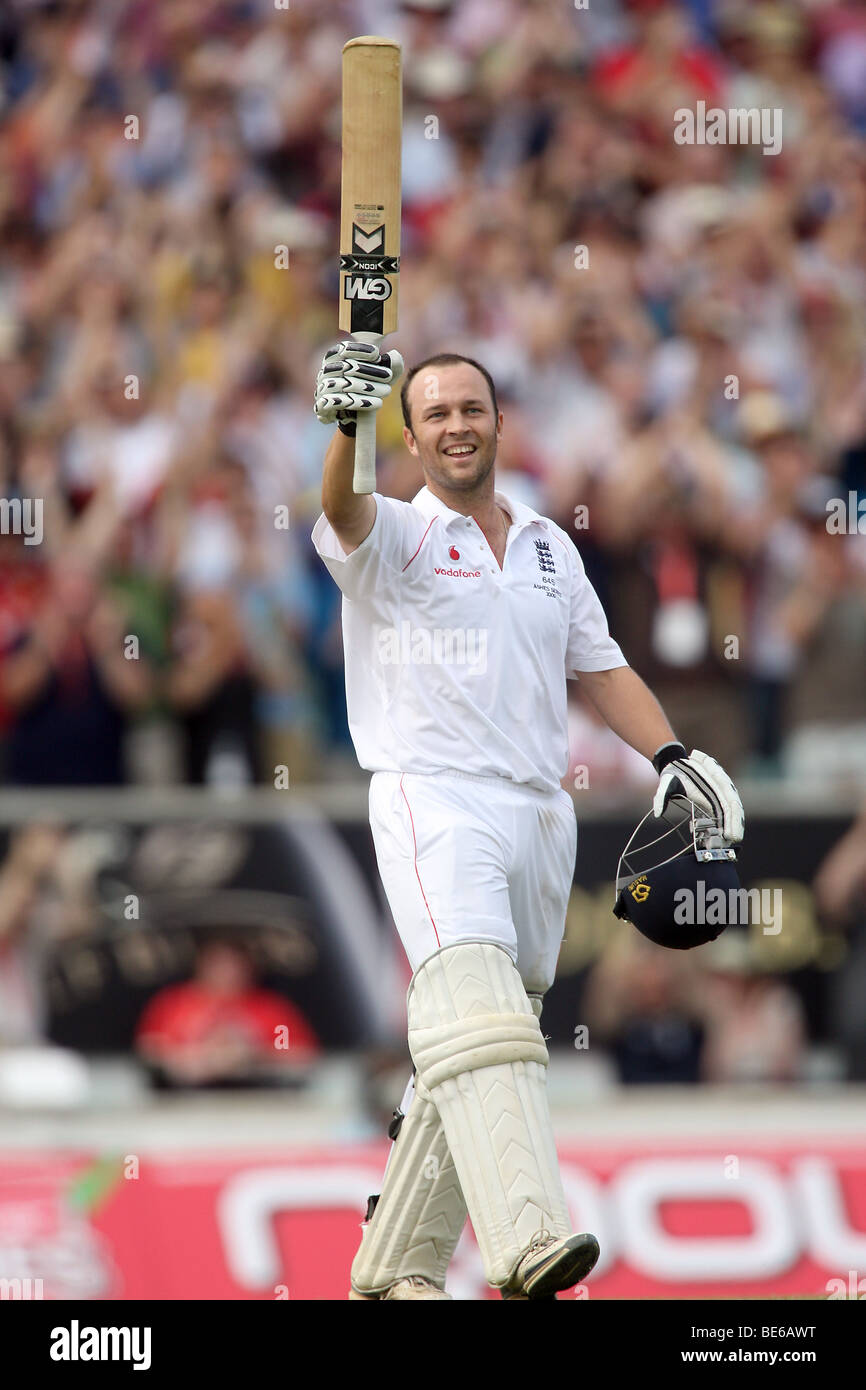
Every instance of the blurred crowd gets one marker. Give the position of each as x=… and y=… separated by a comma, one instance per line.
x=677, y=333
x=211, y=1011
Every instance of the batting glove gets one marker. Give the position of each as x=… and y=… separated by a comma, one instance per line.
x=354, y=377
x=703, y=781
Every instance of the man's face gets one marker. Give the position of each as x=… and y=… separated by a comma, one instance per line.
x=224, y=970
x=454, y=429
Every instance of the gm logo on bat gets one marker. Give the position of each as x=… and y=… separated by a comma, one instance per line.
x=366, y=287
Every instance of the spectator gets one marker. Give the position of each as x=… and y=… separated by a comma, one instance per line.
x=220, y=1029
x=211, y=688
x=638, y=1005
x=840, y=895
x=755, y=1028
x=25, y=934
x=68, y=686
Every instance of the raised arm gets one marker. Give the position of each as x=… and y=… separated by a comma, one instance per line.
x=351, y=515
x=353, y=377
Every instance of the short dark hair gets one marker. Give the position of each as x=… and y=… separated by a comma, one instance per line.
x=442, y=359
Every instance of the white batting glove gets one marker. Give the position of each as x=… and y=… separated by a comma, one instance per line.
x=354, y=377
x=703, y=781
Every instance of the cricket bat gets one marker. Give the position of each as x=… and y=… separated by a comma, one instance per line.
x=370, y=212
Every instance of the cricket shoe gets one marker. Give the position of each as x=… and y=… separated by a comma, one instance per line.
x=414, y=1286
x=550, y=1265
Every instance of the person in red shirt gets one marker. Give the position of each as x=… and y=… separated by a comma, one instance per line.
x=220, y=1028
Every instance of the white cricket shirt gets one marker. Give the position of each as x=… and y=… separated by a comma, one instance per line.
x=452, y=663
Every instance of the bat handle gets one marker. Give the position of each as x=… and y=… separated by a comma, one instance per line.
x=364, y=480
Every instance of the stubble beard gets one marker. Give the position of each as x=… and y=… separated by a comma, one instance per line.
x=468, y=484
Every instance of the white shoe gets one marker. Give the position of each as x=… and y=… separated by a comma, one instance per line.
x=414, y=1286
x=550, y=1265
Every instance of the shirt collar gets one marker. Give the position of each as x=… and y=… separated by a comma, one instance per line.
x=429, y=505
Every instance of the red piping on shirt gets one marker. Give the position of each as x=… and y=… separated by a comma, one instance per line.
x=415, y=848
x=420, y=543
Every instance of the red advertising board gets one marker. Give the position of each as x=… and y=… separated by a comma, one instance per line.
x=674, y=1221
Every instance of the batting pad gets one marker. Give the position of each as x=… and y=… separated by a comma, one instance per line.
x=478, y=1049
x=420, y=1213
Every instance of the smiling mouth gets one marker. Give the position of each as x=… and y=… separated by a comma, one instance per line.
x=459, y=451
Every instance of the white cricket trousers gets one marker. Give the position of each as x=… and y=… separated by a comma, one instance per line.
x=469, y=858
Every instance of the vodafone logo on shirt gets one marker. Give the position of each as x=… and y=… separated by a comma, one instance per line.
x=454, y=554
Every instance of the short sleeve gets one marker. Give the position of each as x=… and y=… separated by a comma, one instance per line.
x=590, y=645
x=379, y=556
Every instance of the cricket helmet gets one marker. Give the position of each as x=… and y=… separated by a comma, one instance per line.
x=682, y=849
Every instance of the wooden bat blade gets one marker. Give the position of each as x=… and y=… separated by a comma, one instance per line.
x=371, y=192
